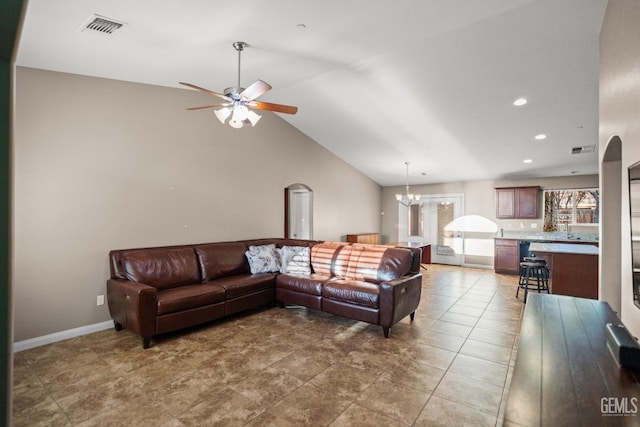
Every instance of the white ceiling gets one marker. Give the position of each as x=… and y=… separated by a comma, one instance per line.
x=377, y=82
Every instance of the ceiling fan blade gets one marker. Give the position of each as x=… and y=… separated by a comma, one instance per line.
x=208, y=106
x=256, y=89
x=201, y=89
x=278, y=108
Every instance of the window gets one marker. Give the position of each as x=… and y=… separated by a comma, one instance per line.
x=571, y=207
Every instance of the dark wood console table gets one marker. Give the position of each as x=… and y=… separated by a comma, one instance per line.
x=564, y=373
x=369, y=238
x=426, y=249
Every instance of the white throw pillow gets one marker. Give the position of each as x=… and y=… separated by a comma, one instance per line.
x=295, y=260
x=263, y=259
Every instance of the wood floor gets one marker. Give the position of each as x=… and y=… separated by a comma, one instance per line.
x=291, y=367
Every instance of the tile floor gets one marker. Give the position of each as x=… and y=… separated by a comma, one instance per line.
x=291, y=367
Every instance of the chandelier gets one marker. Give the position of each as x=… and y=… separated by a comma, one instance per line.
x=407, y=198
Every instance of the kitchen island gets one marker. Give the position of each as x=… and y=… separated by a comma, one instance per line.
x=573, y=268
x=510, y=248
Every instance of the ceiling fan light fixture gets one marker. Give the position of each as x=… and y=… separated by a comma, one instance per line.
x=253, y=117
x=240, y=112
x=235, y=123
x=223, y=114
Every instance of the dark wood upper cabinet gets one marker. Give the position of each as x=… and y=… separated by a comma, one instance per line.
x=527, y=202
x=517, y=202
x=505, y=202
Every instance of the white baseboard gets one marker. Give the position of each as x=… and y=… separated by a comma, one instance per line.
x=483, y=266
x=61, y=336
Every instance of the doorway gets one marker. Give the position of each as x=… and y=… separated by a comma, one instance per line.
x=611, y=186
x=298, y=212
x=447, y=243
x=438, y=227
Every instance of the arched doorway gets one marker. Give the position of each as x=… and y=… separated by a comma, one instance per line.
x=298, y=212
x=610, y=278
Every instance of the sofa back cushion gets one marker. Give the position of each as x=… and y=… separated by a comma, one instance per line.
x=222, y=259
x=162, y=268
x=371, y=263
x=379, y=264
x=323, y=256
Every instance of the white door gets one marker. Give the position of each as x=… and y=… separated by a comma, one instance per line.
x=447, y=243
x=300, y=214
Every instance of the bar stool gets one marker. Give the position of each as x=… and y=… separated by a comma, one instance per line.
x=523, y=268
x=533, y=268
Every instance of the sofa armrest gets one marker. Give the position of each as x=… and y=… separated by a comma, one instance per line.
x=399, y=298
x=133, y=305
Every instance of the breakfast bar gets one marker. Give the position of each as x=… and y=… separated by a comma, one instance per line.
x=564, y=373
x=573, y=268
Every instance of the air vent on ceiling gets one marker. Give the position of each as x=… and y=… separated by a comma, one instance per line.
x=100, y=24
x=583, y=149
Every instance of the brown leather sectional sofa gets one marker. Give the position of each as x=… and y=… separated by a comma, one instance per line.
x=157, y=290
x=371, y=283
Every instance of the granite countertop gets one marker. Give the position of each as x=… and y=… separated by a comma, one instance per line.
x=564, y=248
x=552, y=236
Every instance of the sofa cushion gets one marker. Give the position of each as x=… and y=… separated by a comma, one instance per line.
x=373, y=263
x=295, y=260
x=263, y=259
x=379, y=263
x=331, y=258
x=222, y=259
x=243, y=284
x=162, y=268
x=395, y=263
x=352, y=291
x=311, y=284
x=187, y=297
x=364, y=262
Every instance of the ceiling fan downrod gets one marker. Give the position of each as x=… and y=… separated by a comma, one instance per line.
x=239, y=47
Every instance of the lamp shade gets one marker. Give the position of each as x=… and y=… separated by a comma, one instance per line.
x=253, y=117
x=235, y=123
x=223, y=114
x=240, y=112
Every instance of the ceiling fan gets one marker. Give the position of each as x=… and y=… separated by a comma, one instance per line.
x=240, y=101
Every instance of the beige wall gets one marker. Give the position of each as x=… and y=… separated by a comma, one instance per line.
x=101, y=164
x=479, y=199
x=619, y=116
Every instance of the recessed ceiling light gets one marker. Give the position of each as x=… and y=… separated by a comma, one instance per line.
x=520, y=102
x=527, y=161
x=540, y=136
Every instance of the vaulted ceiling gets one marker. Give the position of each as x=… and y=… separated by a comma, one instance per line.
x=377, y=82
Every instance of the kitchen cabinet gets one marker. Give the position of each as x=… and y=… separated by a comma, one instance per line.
x=506, y=256
x=517, y=202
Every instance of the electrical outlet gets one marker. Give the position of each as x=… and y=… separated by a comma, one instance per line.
x=534, y=225
x=100, y=300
